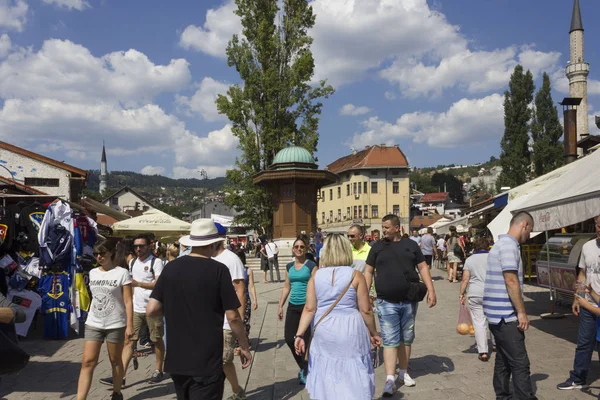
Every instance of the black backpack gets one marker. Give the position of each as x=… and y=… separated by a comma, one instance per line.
x=151, y=265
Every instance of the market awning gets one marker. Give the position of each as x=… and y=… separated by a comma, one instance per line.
x=573, y=198
x=100, y=208
x=155, y=221
x=501, y=223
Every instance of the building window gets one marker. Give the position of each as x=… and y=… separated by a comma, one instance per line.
x=365, y=188
x=366, y=212
x=348, y=190
x=330, y=194
x=359, y=212
x=339, y=217
x=339, y=192
x=114, y=201
x=323, y=196
x=46, y=182
x=330, y=215
x=395, y=187
x=354, y=187
x=396, y=209
x=347, y=212
x=323, y=217
x=373, y=187
x=359, y=187
x=355, y=212
x=374, y=172
x=374, y=212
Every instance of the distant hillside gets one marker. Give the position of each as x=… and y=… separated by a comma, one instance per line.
x=117, y=179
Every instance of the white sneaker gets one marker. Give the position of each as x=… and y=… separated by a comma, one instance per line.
x=389, y=389
x=408, y=381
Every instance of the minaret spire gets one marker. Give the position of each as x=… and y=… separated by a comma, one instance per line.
x=103, y=170
x=576, y=23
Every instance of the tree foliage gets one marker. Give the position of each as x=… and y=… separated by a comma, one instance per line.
x=276, y=106
x=515, y=155
x=546, y=132
x=451, y=184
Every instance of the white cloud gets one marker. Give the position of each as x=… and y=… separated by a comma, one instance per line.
x=13, y=14
x=67, y=71
x=211, y=171
x=152, y=170
x=5, y=45
x=79, y=5
x=466, y=121
x=389, y=95
x=77, y=155
x=219, y=145
x=561, y=84
x=221, y=24
x=203, y=101
x=351, y=109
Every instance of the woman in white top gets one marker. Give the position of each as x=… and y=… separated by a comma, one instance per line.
x=110, y=318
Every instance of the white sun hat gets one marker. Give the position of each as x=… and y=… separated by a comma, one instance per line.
x=203, y=233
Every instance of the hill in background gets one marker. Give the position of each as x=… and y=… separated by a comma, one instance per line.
x=118, y=179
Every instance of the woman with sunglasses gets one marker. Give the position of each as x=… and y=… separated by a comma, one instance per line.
x=110, y=318
x=299, y=273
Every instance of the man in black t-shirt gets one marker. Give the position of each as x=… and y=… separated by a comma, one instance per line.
x=395, y=261
x=194, y=292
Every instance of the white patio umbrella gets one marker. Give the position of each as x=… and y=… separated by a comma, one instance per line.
x=155, y=221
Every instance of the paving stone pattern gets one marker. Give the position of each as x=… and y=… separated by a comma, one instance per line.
x=444, y=363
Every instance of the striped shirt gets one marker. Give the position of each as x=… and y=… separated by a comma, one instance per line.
x=504, y=256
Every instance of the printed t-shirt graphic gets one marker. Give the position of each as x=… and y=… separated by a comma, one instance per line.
x=30, y=219
x=29, y=301
x=108, y=309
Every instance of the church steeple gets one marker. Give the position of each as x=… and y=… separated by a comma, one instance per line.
x=576, y=24
x=103, y=170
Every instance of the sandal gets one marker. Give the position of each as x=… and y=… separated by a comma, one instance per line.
x=493, y=348
x=483, y=357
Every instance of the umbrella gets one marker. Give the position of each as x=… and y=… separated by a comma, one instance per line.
x=161, y=224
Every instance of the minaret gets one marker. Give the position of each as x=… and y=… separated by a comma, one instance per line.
x=103, y=170
x=577, y=71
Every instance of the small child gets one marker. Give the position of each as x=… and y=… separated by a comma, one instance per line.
x=583, y=302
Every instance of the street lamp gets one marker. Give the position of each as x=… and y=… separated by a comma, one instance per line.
x=204, y=177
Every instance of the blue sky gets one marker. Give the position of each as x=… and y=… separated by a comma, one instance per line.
x=142, y=75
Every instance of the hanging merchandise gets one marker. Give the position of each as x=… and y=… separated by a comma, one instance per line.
x=30, y=219
x=7, y=230
x=55, y=236
x=29, y=301
x=89, y=234
x=54, y=288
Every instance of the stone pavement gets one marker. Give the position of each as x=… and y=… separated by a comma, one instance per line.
x=444, y=363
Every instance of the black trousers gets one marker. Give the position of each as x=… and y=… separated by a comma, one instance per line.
x=511, y=360
x=292, y=320
x=199, y=388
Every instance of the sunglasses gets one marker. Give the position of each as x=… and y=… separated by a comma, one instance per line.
x=351, y=236
x=299, y=247
x=101, y=254
x=140, y=246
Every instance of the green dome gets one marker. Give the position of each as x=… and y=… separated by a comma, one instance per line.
x=292, y=155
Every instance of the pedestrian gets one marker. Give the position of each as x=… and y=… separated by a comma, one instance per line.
x=375, y=235
x=474, y=279
x=196, y=296
x=110, y=318
x=415, y=237
x=455, y=251
x=264, y=261
x=10, y=314
x=505, y=310
x=272, y=251
x=299, y=272
x=589, y=274
x=251, y=298
x=319, y=236
x=360, y=248
x=442, y=256
x=144, y=270
x=340, y=364
x=428, y=247
x=236, y=271
x=398, y=295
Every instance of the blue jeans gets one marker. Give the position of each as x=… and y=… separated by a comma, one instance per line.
x=397, y=322
x=586, y=343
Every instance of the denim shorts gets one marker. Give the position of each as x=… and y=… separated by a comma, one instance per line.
x=397, y=322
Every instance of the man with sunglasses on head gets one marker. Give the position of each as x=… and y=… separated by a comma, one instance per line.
x=360, y=248
x=145, y=270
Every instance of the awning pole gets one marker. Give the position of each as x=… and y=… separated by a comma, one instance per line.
x=551, y=314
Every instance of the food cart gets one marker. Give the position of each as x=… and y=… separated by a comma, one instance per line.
x=561, y=272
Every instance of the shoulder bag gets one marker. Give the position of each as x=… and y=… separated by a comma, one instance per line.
x=331, y=307
x=416, y=290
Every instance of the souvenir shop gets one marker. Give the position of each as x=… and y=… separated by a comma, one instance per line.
x=46, y=249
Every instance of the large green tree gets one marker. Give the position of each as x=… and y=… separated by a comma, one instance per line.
x=515, y=156
x=276, y=105
x=546, y=132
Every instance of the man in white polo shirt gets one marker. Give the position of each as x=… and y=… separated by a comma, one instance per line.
x=272, y=252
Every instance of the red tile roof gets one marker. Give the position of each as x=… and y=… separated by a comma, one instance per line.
x=423, y=221
x=371, y=157
x=105, y=220
x=434, y=197
x=43, y=159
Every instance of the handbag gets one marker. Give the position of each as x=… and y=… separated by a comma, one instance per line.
x=14, y=359
x=331, y=307
x=416, y=290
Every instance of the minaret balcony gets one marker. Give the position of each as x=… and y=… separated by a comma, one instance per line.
x=577, y=69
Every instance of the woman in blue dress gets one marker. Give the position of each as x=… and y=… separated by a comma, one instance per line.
x=299, y=272
x=340, y=364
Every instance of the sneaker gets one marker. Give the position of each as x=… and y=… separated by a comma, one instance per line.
x=569, y=384
x=136, y=364
x=147, y=345
x=117, y=396
x=157, y=376
x=389, y=389
x=241, y=395
x=302, y=377
x=109, y=381
x=407, y=380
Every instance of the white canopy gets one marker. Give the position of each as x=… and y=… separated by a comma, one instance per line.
x=461, y=223
x=224, y=220
x=573, y=198
x=155, y=221
x=437, y=223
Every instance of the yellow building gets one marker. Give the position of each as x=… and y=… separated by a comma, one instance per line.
x=371, y=183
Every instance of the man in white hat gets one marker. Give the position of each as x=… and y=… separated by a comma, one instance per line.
x=194, y=292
